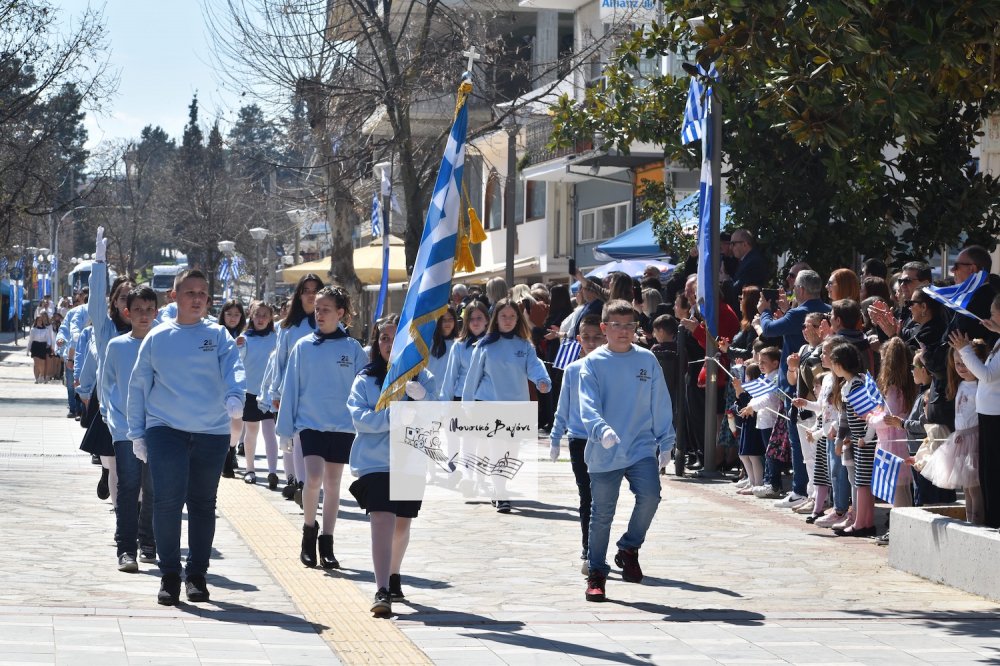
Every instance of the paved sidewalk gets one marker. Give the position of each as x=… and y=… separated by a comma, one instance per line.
x=729, y=579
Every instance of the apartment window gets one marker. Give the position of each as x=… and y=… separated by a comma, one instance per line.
x=535, y=200
x=599, y=224
x=494, y=203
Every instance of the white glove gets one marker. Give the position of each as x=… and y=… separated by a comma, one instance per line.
x=139, y=449
x=554, y=451
x=287, y=444
x=101, y=250
x=234, y=407
x=415, y=390
x=609, y=438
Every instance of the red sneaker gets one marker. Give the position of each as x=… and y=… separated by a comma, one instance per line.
x=628, y=560
x=595, y=587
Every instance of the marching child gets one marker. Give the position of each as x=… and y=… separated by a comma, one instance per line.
x=318, y=377
x=502, y=365
x=567, y=421
x=299, y=323
x=474, y=322
x=441, y=344
x=233, y=318
x=132, y=526
x=187, y=383
x=626, y=410
x=41, y=341
x=259, y=343
x=390, y=520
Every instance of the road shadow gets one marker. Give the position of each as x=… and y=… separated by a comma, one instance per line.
x=408, y=581
x=688, y=587
x=674, y=614
x=434, y=617
x=983, y=624
x=224, y=611
x=539, y=644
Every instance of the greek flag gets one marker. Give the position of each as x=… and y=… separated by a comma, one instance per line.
x=957, y=296
x=884, y=475
x=866, y=397
x=430, y=282
x=569, y=351
x=695, y=110
x=19, y=264
x=3, y=264
x=760, y=387
x=376, y=217
x=225, y=270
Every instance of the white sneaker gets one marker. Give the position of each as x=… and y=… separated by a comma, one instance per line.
x=742, y=483
x=789, y=500
x=848, y=520
x=829, y=520
x=766, y=492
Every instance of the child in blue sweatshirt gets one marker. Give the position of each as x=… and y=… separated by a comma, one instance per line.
x=568, y=421
x=441, y=344
x=502, y=365
x=132, y=527
x=626, y=410
x=259, y=342
x=390, y=520
x=299, y=323
x=317, y=383
x=187, y=383
x=475, y=319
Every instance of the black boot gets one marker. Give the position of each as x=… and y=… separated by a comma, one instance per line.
x=308, y=554
x=229, y=465
x=327, y=560
x=288, y=492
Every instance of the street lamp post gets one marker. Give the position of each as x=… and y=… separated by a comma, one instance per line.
x=228, y=248
x=258, y=234
x=512, y=128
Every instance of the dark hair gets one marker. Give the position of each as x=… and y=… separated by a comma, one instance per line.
x=474, y=304
x=848, y=357
x=980, y=257
x=617, y=307
x=438, y=344
x=521, y=329
x=875, y=286
x=748, y=307
x=559, y=301
x=229, y=305
x=922, y=269
x=620, y=286
x=143, y=293
x=342, y=300
x=589, y=320
x=751, y=371
x=189, y=273
x=875, y=267
x=121, y=283
x=771, y=353
x=378, y=367
x=296, y=313
x=848, y=312
x=666, y=322
x=254, y=306
x=920, y=296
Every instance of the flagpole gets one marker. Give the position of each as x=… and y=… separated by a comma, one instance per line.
x=712, y=261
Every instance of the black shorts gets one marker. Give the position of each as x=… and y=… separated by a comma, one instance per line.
x=252, y=413
x=333, y=447
x=39, y=349
x=372, y=493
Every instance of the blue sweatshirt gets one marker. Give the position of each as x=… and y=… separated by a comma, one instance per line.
x=567, y=420
x=255, y=352
x=318, y=379
x=74, y=322
x=459, y=358
x=438, y=367
x=118, y=363
x=287, y=337
x=501, y=370
x=370, y=451
x=167, y=313
x=85, y=366
x=182, y=378
x=625, y=391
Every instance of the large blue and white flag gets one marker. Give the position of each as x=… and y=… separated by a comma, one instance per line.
x=957, y=296
x=569, y=351
x=885, y=474
x=430, y=282
x=760, y=387
x=866, y=398
x=698, y=115
x=376, y=217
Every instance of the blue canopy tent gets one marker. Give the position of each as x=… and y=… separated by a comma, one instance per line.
x=639, y=241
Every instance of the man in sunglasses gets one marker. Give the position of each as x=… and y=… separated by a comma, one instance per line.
x=916, y=274
x=970, y=261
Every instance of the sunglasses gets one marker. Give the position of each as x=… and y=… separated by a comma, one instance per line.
x=905, y=280
x=912, y=303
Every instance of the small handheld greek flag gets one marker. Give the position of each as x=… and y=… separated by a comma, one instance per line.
x=3, y=264
x=569, y=351
x=957, y=296
x=884, y=475
x=376, y=217
x=866, y=398
x=760, y=387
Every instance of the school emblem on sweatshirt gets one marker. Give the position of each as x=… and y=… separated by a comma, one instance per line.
x=643, y=376
x=344, y=361
x=207, y=345
x=521, y=353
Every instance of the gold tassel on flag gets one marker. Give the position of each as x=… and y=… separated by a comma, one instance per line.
x=464, y=263
x=476, y=232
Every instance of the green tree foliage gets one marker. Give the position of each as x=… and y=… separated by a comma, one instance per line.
x=849, y=125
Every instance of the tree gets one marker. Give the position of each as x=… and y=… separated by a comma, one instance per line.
x=845, y=120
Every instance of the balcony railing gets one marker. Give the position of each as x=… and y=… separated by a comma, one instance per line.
x=538, y=133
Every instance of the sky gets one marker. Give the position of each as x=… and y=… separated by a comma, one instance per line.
x=161, y=51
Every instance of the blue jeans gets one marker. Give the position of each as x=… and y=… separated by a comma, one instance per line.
x=132, y=524
x=644, y=482
x=839, y=479
x=72, y=401
x=185, y=468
